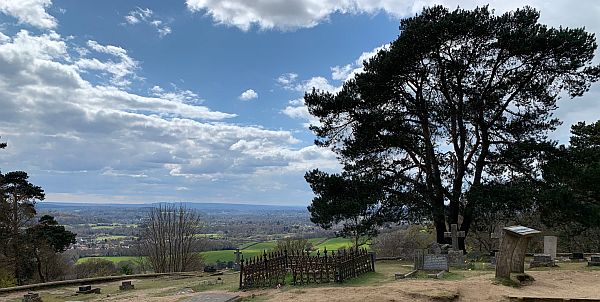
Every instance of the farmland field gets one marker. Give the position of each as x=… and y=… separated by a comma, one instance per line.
x=248, y=250
x=114, y=259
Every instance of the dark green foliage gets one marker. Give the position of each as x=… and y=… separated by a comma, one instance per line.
x=17, y=207
x=462, y=98
x=28, y=247
x=125, y=267
x=49, y=232
x=349, y=201
x=572, y=175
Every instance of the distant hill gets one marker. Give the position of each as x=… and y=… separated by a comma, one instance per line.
x=204, y=207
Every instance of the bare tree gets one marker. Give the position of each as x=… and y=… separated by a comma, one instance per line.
x=168, y=238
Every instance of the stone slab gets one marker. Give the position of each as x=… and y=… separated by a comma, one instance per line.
x=214, y=297
x=435, y=262
x=550, y=243
x=410, y=274
x=438, y=275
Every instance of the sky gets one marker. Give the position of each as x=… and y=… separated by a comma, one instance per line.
x=197, y=100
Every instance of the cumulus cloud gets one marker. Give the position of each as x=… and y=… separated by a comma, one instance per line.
x=348, y=71
x=248, y=95
x=32, y=12
x=293, y=14
x=177, y=95
x=104, y=143
x=120, y=71
x=147, y=16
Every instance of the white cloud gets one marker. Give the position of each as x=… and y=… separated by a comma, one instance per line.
x=107, y=144
x=348, y=71
x=292, y=14
x=146, y=15
x=287, y=80
x=32, y=12
x=121, y=72
x=248, y=95
x=177, y=95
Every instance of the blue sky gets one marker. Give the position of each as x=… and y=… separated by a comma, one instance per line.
x=197, y=100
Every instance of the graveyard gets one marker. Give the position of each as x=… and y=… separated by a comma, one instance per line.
x=475, y=282
x=276, y=150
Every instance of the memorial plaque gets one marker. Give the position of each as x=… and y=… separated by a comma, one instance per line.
x=522, y=230
x=435, y=262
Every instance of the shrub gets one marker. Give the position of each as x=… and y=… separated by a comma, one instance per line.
x=95, y=267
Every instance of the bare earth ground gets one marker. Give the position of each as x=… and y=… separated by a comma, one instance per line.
x=559, y=284
x=569, y=281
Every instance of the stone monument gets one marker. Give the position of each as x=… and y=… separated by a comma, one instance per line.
x=455, y=255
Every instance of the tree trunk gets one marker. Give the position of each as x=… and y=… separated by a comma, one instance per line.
x=440, y=228
x=39, y=265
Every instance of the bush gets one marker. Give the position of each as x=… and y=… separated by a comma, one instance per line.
x=95, y=267
x=7, y=279
x=126, y=268
x=403, y=242
x=291, y=244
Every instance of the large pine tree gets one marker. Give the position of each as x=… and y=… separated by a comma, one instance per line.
x=459, y=99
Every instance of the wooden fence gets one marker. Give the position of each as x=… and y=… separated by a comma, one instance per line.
x=271, y=269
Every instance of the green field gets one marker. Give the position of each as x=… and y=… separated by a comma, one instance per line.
x=115, y=259
x=109, y=227
x=249, y=250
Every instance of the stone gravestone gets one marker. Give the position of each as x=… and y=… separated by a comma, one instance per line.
x=455, y=255
x=577, y=257
x=419, y=254
x=87, y=289
x=550, y=246
x=432, y=262
x=236, y=265
x=454, y=234
x=511, y=257
x=594, y=261
x=126, y=285
x=540, y=260
x=32, y=297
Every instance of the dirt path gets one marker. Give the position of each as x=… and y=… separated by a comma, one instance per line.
x=559, y=284
x=555, y=283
